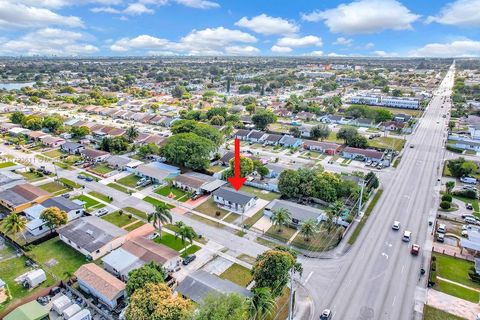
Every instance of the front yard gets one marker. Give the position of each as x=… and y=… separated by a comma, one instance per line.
x=430, y=313
x=238, y=274
x=55, y=153
x=322, y=241
x=100, y=169
x=89, y=202
x=155, y=202
x=284, y=235
x=210, y=208
x=7, y=164
x=387, y=143
x=120, y=220
x=100, y=196
x=172, y=192
x=129, y=181
x=54, y=187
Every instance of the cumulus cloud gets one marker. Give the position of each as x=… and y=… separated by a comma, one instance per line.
x=137, y=9
x=382, y=53
x=199, y=4
x=49, y=42
x=341, y=41
x=334, y=54
x=365, y=16
x=459, y=48
x=306, y=41
x=317, y=53
x=268, y=25
x=460, y=12
x=17, y=15
x=56, y=4
x=279, y=49
x=209, y=41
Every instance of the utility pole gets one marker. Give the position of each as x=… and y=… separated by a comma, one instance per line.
x=362, y=185
x=290, y=302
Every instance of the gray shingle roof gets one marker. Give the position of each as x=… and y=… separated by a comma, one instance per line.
x=62, y=203
x=233, y=196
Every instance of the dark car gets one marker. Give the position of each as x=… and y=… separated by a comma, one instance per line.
x=66, y=195
x=189, y=259
x=89, y=179
x=80, y=176
x=326, y=315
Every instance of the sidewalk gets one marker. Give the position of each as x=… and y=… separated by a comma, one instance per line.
x=453, y=305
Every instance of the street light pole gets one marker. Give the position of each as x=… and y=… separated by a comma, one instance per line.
x=362, y=185
x=290, y=302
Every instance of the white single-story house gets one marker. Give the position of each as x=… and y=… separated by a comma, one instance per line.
x=236, y=201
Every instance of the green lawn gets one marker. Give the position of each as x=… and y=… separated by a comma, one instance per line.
x=86, y=174
x=238, y=274
x=455, y=269
x=55, y=153
x=457, y=291
x=474, y=203
x=210, y=208
x=7, y=164
x=100, y=168
x=68, y=260
x=157, y=202
x=69, y=183
x=32, y=176
x=190, y=250
x=100, y=196
x=89, y=202
x=136, y=212
x=118, y=219
x=53, y=187
x=12, y=268
x=285, y=234
x=62, y=165
x=134, y=226
x=262, y=194
x=169, y=240
x=430, y=313
x=178, y=194
x=129, y=181
x=387, y=143
x=322, y=241
x=118, y=187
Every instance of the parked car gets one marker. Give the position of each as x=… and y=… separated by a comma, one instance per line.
x=415, y=249
x=189, y=259
x=89, y=179
x=407, y=235
x=101, y=212
x=81, y=177
x=468, y=180
x=66, y=195
x=396, y=225
x=440, y=237
x=326, y=315
x=442, y=228
x=469, y=206
x=470, y=220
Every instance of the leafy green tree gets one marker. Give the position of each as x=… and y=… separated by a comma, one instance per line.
x=53, y=122
x=178, y=92
x=185, y=233
x=54, y=217
x=156, y=302
x=281, y=218
x=32, y=122
x=461, y=167
x=295, y=131
x=217, y=121
x=358, y=141
x=271, y=269
x=249, y=100
x=188, y=150
x=289, y=184
x=160, y=216
x=263, y=119
x=321, y=131
x=114, y=145
x=397, y=93
x=347, y=134
x=451, y=125
x=372, y=180
x=148, y=273
x=79, y=132
x=201, y=129
x=309, y=228
x=246, y=167
x=221, y=111
x=148, y=149
x=449, y=186
x=223, y=306
x=17, y=117
x=250, y=108
x=262, y=304
x=131, y=133
x=13, y=224
x=262, y=171
x=333, y=212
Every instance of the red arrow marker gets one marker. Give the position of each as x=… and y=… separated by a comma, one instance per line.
x=236, y=181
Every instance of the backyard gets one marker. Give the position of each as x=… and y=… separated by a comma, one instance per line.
x=129, y=181
x=210, y=208
x=262, y=194
x=238, y=274
x=54, y=187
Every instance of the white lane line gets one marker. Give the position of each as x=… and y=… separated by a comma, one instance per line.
x=385, y=255
x=308, y=277
x=403, y=268
x=394, y=298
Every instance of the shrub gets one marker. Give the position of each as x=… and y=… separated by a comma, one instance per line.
x=454, y=149
x=471, y=194
x=447, y=197
x=445, y=205
x=473, y=275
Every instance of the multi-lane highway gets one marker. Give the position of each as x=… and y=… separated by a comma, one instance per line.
x=379, y=278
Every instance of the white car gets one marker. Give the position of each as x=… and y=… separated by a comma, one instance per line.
x=101, y=212
x=407, y=235
x=396, y=225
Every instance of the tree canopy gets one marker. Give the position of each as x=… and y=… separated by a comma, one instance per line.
x=148, y=273
x=263, y=118
x=223, y=307
x=188, y=150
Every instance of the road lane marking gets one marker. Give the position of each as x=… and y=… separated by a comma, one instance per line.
x=403, y=268
x=308, y=277
x=385, y=255
x=394, y=298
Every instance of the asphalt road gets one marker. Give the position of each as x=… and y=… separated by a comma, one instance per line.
x=379, y=278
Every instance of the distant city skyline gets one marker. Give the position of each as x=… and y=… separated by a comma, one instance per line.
x=378, y=28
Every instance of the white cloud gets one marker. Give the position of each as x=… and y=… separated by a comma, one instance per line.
x=49, y=42
x=137, y=9
x=199, y=4
x=105, y=10
x=279, y=49
x=333, y=54
x=369, y=45
x=242, y=50
x=382, y=53
x=365, y=16
x=268, y=25
x=341, y=41
x=17, y=15
x=209, y=41
x=56, y=4
x=317, y=53
x=460, y=12
x=459, y=48
x=306, y=41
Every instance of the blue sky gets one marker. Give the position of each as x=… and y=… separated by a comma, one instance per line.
x=243, y=27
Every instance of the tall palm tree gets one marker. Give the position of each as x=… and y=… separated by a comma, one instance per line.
x=185, y=233
x=308, y=229
x=280, y=218
x=14, y=224
x=333, y=212
x=160, y=216
x=262, y=303
x=131, y=133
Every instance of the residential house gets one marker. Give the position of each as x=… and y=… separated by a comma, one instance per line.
x=288, y=141
x=37, y=135
x=363, y=122
x=22, y=196
x=401, y=117
x=122, y=162
x=200, y=284
x=305, y=115
x=197, y=183
x=225, y=159
x=15, y=131
x=392, y=125
x=157, y=172
x=52, y=142
x=329, y=148
x=92, y=236
x=236, y=201
x=72, y=147
x=241, y=134
x=272, y=139
x=36, y=226
x=362, y=154
x=9, y=179
x=335, y=119
x=99, y=283
x=93, y=155
x=256, y=136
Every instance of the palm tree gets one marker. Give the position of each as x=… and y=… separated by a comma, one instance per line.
x=160, y=216
x=281, y=217
x=308, y=229
x=333, y=212
x=14, y=224
x=131, y=133
x=262, y=303
x=185, y=233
